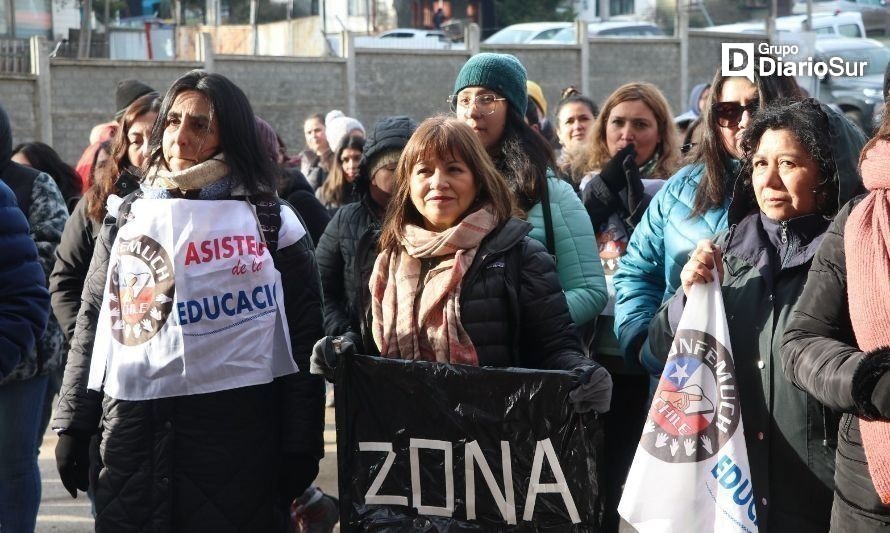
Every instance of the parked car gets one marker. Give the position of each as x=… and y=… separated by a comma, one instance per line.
x=824, y=25
x=527, y=31
x=603, y=29
x=875, y=13
x=406, y=38
x=856, y=96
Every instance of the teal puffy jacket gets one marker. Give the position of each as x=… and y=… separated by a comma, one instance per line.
x=577, y=258
x=649, y=273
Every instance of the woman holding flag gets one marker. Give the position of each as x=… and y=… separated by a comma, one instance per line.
x=799, y=167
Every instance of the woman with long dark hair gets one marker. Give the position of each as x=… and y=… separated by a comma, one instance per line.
x=691, y=206
x=42, y=157
x=339, y=187
x=181, y=348
x=490, y=96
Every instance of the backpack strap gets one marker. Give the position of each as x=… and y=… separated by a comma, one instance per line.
x=268, y=214
x=123, y=211
x=548, y=220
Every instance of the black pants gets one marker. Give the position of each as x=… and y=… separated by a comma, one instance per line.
x=848, y=519
x=623, y=428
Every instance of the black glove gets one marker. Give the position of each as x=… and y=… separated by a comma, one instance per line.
x=635, y=190
x=613, y=174
x=871, y=384
x=73, y=461
x=326, y=352
x=594, y=390
x=298, y=471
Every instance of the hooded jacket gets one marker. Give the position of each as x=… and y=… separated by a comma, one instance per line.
x=24, y=302
x=788, y=433
x=693, y=111
x=348, y=247
x=39, y=199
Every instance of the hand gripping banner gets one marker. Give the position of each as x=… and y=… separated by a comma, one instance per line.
x=432, y=447
x=690, y=472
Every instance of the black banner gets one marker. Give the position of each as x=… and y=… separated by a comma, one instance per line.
x=409, y=432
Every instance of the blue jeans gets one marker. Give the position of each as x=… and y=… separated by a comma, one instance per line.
x=21, y=405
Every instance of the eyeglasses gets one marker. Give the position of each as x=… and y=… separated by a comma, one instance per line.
x=729, y=114
x=484, y=103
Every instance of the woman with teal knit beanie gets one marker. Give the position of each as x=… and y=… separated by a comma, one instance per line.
x=490, y=96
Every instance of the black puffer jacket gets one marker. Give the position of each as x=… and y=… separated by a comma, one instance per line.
x=72, y=263
x=346, y=254
x=298, y=193
x=207, y=462
x=348, y=248
x=821, y=357
x=512, y=305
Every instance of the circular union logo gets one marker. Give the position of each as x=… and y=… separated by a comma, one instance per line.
x=695, y=409
x=140, y=290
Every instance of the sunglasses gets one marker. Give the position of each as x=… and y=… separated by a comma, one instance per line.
x=729, y=114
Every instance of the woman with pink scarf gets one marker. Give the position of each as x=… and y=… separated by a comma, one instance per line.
x=458, y=280
x=837, y=346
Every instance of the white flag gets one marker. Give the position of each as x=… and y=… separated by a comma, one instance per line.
x=690, y=472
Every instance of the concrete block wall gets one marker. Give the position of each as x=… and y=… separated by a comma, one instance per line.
x=704, y=53
x=83, y=95
x=415, y=84
x=614, y=62
x=372, y=84
x=17, y=98
x=553, y=67
x=285, y=90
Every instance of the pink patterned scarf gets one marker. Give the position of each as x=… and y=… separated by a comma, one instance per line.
x=867, y=247
x=427, y=327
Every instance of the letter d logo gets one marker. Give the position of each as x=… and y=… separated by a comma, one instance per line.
x=737, y=59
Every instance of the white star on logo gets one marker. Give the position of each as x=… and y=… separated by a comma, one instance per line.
x=680, y=373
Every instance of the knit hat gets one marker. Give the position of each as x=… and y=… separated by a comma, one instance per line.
x=501, y=73
x=126, y=93
x=388, y=134
x=337, y=127
x=536, y=94
x=268, y=138
x=387, y=157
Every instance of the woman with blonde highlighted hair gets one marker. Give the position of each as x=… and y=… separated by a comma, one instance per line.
x=662, y=155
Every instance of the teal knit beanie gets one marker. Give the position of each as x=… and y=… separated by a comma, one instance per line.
x=502, y=73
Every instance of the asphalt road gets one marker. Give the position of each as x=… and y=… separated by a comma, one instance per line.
x=60, y=513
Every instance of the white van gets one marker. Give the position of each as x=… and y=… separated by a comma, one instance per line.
x=824, y=24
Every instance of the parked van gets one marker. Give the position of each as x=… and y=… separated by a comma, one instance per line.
x=526, y=31
x=824, y=24
x=610, y=28
x=860, y=98
x=875, y=13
